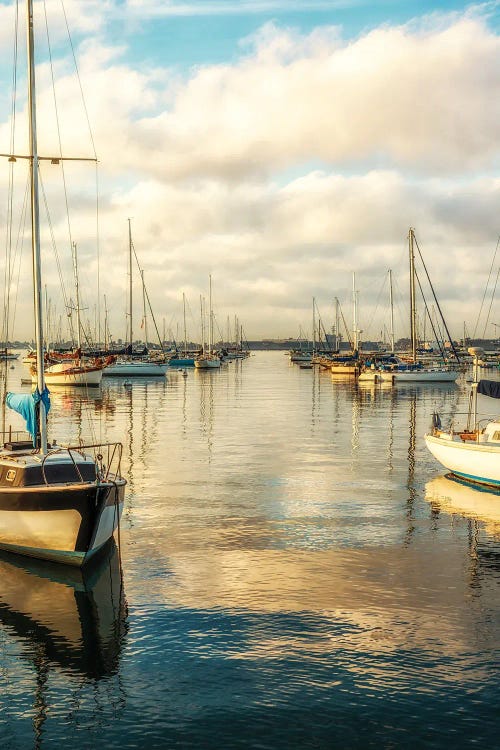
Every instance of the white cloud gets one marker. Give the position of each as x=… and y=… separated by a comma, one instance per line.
x=306, y=159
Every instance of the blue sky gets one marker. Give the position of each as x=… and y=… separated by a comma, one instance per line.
x=211, y=32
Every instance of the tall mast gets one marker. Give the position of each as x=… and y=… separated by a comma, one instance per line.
x=337, y=324
x=314, y=326
x=211, y=320
x=413, y=306
x=35, y=223
x=184, y=320
x=354, y=313
x=391, y=300
x=144, y=307
x=105, y=324
x=77, y=293
x=202, y=315
x=130, y=285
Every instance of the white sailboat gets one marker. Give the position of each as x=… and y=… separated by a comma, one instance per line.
x=128, y=366
x=472, y=453
x=60, y=503
x=208, y=360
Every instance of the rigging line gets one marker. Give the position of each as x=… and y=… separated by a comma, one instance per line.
x=437, y=304
x=149, y=304
x=19, y=244
x=377, y=302
x=56, y=112
x=98, y=249
x=79, y=80
x=10, y=191
x=56, y=255
x=485, y=290
x=492, y=295
x=430, y=319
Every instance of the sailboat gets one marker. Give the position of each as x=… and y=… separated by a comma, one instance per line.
x=60, y=503
x=472, y=453
x=130, y=367
x=208, y=360
x=415, y=372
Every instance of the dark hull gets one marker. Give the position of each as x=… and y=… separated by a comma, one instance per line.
x=63, y=523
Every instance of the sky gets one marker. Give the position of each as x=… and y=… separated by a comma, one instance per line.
x=278, y=146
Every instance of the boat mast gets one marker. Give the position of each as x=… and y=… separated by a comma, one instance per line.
x=211, y=319
x=184, y=320
x=144, y=307
x=77, y=292
x=337, y=324
x=354, y=313
x=202, y=316
x=391, y=299
x=35, y=224
x=314, y=325
x=130, y=285
x=413, y=307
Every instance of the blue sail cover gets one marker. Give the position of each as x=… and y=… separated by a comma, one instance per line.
x=25, y=405
x=489, y=388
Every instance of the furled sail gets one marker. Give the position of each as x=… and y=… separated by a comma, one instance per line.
x=25, y=404
x=489, y=388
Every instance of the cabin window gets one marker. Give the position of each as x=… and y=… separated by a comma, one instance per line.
x=11, y=475
x=496, y=435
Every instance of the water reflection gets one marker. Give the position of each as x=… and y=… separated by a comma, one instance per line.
x=67, y=622
x=70, y=618
x=452, y=495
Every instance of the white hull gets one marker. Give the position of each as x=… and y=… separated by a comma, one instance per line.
x=351, y=370
x=376, y=376
x=85, y=378
x=474, y=461
x=136, y=369
x=207, y=363
x=426, y=376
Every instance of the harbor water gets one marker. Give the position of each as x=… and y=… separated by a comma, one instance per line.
x=292, y=570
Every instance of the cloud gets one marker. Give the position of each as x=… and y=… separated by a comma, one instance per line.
x=305, y=159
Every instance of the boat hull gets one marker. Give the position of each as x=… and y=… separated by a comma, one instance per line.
x=426, y=376
x=84, y=378
x=340, y=369
x=475, y=462
x=136, y=369
x=207, y=364
x=182, y=362
x=63, y=523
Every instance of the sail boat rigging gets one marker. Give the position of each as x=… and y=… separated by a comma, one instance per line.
x=208, y=360
x=146, y=366
x=60, y=503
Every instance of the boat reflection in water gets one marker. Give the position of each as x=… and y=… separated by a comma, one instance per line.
x=453, y=495
x=73, y=619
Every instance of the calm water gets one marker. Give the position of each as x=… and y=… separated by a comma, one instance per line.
x=296, y=574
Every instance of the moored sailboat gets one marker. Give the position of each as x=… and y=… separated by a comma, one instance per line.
x=472, y=453
x=415, y=372
x=60, y=503
x=130, y=366
x=208, y=360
